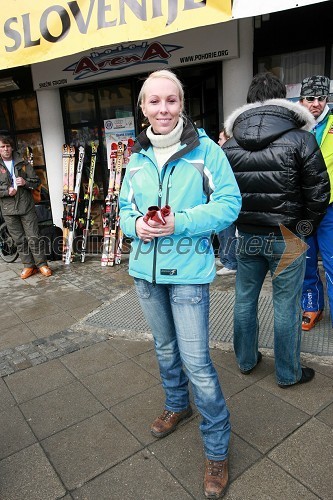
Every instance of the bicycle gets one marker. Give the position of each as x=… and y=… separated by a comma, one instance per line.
x=8, y=250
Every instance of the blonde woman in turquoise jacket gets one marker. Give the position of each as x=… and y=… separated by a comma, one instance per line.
x=178, y=169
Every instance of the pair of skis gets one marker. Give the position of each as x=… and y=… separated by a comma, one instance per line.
x=71, y=195
x=112, y=234
x=88, y=201
x=68, y=163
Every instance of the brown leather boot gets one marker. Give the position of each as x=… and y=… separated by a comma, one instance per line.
x=168, y=421
x=216, y=478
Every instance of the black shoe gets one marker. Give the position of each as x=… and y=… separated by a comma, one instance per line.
x=247, y=372
x=307, y=376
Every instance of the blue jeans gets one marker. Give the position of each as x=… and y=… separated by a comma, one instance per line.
x=313, y=290
x=178, y=316
x=227, y=248
x=256, y=255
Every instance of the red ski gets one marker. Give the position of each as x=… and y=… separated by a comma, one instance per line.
x=112, y=240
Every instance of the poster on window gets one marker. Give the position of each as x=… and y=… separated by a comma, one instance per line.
x=118, y=130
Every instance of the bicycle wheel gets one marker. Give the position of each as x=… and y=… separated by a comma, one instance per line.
x=8, y=250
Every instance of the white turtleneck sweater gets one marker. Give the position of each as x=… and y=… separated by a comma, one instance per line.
x=165, y=146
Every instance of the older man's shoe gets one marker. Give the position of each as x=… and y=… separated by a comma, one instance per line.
x=28, y=271
x=216, y=478
x=168, y=421
x=45, y=271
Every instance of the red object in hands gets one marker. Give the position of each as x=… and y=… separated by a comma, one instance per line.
x=157, y=214
x=166, y=210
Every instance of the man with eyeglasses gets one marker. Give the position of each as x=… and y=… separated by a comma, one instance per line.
x=314, y=96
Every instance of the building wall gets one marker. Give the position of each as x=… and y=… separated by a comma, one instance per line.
x=53, y=139
x=237, y=73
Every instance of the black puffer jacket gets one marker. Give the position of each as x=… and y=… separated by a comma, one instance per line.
x=278, y=166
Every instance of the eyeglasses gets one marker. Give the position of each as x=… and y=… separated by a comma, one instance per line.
x=311, y=98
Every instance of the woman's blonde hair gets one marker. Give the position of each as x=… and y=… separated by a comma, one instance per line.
x=169, y=75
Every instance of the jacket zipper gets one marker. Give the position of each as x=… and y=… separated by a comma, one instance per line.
x=169, y=185
x=159, y=205
x=159, y=201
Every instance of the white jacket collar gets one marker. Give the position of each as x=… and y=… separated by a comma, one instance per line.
x=297, y=108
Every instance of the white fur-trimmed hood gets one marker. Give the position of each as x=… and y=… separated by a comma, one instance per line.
x=301, y=113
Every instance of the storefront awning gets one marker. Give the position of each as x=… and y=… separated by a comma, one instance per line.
x=251, y=8
x=42, y=30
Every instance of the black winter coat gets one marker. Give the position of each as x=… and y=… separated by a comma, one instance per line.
x=278, y=166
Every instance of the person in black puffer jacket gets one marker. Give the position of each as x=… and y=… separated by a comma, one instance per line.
x=285, y=192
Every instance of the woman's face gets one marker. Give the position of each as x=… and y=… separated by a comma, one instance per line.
x=162, y=105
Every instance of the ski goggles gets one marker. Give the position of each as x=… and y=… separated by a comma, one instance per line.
x=312, y=98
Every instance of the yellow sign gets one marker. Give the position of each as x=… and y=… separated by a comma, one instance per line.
x=41, y=30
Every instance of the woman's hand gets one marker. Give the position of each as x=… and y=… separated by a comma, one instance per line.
x=149, y=232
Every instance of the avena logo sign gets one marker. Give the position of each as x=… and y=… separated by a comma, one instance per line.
x=120, y=57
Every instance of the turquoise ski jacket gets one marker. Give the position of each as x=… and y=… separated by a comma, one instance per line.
x=199, y=185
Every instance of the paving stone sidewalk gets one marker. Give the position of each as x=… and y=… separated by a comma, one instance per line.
x=76, y=403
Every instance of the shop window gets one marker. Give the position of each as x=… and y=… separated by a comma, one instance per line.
x=115, y=101
x=292, y=67
x=80, y=106
x=85, y=110
x=25, y=112
x=201, y=97
x=33, y=140
x=4, y=116
x=19, y=118
x=83, y=135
